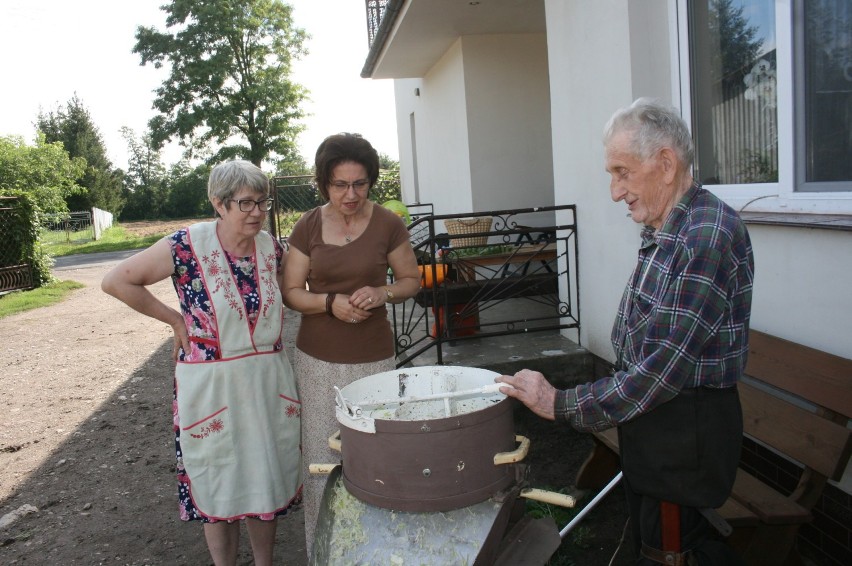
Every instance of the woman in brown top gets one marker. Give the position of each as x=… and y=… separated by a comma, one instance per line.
x=341, y=252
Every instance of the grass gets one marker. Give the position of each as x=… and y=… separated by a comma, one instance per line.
x=579, y=539
x=113, y=240
x=20, y=301
x=56, y=244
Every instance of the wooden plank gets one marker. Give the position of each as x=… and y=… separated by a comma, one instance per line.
x=609, y=437
x=737, y=514
x=752, y=500
x=769, y=505
x=800, y=434
x=499, y=288
x=523, y=253
x=599, y=467
x=819, y=377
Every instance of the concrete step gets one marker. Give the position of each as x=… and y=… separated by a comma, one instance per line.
x=561, y=360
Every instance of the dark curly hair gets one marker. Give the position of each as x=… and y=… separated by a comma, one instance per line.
x=341, y=148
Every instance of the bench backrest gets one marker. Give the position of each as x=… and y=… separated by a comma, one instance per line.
x=819, y=377
x=815, y=442
x=813, y=433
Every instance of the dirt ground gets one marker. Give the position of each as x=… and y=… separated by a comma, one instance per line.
x=86, y=451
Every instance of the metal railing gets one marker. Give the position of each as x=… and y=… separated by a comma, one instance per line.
x=296, y=194
x=292, y=196
x=68, y=227
x=515, y=277
x=375, y=13
x=15, y=239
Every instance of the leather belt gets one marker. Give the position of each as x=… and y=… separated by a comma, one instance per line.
x=669, y=558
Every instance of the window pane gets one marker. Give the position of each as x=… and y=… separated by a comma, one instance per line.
x=732, y=56
x=828, y=90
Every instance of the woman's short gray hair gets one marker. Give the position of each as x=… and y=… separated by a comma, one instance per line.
x=228, y=177
x=653, y=125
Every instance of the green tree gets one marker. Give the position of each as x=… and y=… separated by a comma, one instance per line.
x=72, y=126
x=387, y=162
x=738, y=48
x=146, y=182
x=229, y=64
x=188, y=191
x=388, y=186
x=21, y=227
x=292, y=165
x=44, y=171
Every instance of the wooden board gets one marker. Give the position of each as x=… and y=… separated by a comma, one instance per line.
x=819, y=377
x=795, y=431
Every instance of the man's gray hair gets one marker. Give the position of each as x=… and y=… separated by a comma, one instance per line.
x=653, y=125
x=229, y=177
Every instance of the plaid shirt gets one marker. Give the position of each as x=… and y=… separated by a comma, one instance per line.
x=683, y=320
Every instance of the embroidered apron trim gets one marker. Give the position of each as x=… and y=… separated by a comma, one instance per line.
x=242, y=453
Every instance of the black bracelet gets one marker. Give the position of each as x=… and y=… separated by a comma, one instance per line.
x=329, y=300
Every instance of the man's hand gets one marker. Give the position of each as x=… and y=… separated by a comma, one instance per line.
x=532, y=389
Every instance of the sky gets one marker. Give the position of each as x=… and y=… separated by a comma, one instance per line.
x=52, y=49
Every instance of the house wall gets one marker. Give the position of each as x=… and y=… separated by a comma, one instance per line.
x=442, y=144
x=508, y=108
x=799, y=291
x=481, y=127
x=592, y=72
x=600, y=56
x=408, y=114
x=801, y=286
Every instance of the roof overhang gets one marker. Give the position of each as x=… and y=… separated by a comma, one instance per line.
x=415, y=34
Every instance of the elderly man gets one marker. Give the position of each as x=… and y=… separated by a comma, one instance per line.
x=680, y=339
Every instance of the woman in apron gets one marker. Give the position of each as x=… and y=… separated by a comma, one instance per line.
x=237, y=414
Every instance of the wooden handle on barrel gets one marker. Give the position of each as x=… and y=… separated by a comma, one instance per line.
x=515, y=455
x=550, y=497
x=321, y=469
x=334, y=441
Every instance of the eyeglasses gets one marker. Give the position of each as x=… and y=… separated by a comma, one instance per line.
x=343, y=186
x=247, y=204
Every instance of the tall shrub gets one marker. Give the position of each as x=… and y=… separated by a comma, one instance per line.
x=22, y=235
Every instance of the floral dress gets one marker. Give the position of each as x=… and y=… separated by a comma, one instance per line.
x=196, y=308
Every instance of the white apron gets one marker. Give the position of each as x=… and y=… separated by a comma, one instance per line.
x=240, y=416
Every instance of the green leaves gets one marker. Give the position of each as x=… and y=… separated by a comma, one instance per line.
x=43, y=171
x=229, y=64
x=72, y=125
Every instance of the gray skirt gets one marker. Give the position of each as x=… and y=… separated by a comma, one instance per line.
x=316, y=380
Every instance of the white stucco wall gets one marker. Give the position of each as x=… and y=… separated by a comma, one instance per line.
x=592, y=73
x=602, y=56
x=801, y=286
x=408, y=110
x=482, y=126
x=508, y=109
x=440, y=117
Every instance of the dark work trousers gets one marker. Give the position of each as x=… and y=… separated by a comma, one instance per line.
x=698, y=538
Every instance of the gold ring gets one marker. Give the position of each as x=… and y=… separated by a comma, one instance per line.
x=370, y=299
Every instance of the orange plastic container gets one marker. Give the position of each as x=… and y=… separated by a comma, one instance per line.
x=426, y=275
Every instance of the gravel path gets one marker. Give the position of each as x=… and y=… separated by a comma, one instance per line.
x=85, y=412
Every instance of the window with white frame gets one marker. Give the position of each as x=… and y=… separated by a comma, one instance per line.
x=734, y=91
x=768, y=90
x=823, y=95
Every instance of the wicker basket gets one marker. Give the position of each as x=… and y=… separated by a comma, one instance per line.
x=468, y=226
